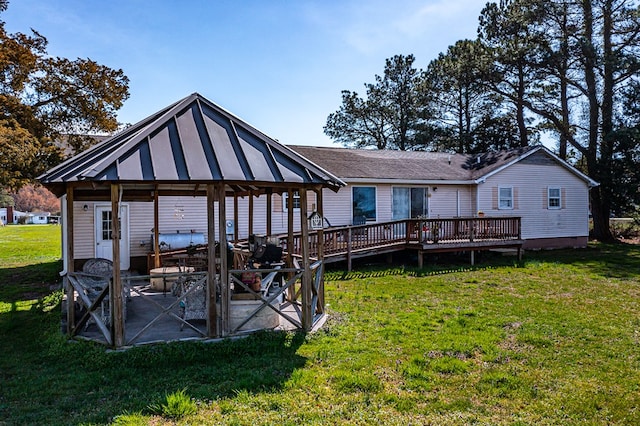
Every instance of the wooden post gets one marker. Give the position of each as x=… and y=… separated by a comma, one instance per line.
x=251, y=212
x=212, y=310
x=115, y=293
x=319, y=210
x=349, y=238
x=156, y=230
x=307, y=315
x=269, y=211
x=420, y=259
x=236, y=217
x=290, y=248
x=225, y=297
x=473, y=260
x=71, y=306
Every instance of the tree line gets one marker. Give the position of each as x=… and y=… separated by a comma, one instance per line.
x=559, y=70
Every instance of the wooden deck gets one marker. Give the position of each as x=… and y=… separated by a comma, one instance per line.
x=422, y=235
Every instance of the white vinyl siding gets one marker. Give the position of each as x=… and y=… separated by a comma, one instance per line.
x=530, y=183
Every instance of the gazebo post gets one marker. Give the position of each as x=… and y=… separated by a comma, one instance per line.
x=269, y=213
x=290, y=241
x=307, y=315
x=212, y=318
x=71, y=306
x=156, y=225
x=224, y=272
x=250, y=213
x=236, y=225
x=319, y=210
x=115, y=293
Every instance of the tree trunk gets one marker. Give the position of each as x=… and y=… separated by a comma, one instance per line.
x=522, y=124
x=599, y=206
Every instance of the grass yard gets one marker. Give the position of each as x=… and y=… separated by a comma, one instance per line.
x=554, y=340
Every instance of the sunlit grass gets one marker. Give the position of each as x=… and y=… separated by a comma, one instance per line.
x=551, y=340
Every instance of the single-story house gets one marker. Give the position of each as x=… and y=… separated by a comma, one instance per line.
x=549, y=195
x=38, y=218
x=10, y=215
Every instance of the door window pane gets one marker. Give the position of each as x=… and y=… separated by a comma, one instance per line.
x=418, y=203
x=400, y=203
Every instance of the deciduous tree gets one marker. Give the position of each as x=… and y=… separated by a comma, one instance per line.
x=43, y=98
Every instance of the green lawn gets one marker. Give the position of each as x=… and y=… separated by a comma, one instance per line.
x=553, y=340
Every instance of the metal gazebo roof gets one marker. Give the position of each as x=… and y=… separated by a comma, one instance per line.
x=191, y=141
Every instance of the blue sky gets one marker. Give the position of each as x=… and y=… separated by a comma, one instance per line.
x=279, y=65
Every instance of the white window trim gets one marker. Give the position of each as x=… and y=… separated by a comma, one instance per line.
x=559, y=206
x=285, y=199
x=500, y=207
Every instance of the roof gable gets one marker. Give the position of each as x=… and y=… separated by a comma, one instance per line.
x=192, y=140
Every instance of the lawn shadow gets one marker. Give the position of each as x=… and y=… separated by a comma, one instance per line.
x=29, y=282
x=93, y=384
x=619, y=260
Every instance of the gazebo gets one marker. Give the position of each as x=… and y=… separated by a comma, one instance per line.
x=190, y=148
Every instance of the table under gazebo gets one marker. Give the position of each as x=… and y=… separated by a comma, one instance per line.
x=192, y=148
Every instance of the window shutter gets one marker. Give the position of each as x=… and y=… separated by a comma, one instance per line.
x=545, y=198
x=277, y=203
x=515, y=198
x=495, y=198
x=563, y=198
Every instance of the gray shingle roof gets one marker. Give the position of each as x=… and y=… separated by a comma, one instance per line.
x=192, y=140
x=356, y=164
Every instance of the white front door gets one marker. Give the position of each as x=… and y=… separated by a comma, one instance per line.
x=103, y=226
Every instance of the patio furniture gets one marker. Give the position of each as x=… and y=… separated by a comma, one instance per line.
x=94, y=279
x=194, y=298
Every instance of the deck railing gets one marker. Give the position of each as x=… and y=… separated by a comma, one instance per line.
x=348, y=239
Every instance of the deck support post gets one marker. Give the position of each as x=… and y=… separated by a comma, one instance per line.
x=349, y=239
x=420, y=259
x=473, y=260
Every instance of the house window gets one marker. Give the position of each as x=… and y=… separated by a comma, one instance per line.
x=505, y=198
x=296, y=201
x=554, y=198
x=409, y=203
x=364, y=201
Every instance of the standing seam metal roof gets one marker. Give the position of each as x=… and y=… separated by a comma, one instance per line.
x=192, y=140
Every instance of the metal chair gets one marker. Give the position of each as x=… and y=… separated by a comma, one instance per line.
x=194, y=298
x=95, y=277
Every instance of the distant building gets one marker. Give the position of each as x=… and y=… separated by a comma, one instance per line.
x=8, y=215
x=38, y=218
